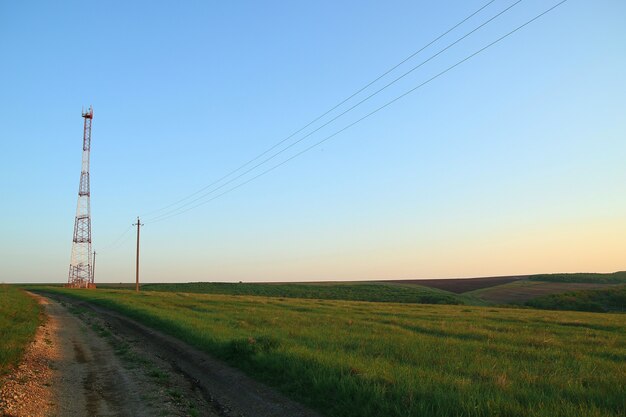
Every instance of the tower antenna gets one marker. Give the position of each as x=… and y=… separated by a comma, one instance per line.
x=81, y=267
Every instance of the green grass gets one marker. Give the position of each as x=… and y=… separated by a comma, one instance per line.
x=614, y=278
x=392, y=293
x=366, y=359
x=19, y=319
x=518, y=293
x=600, y=300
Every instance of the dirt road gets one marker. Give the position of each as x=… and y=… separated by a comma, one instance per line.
x=104, y=364
x=90, y=379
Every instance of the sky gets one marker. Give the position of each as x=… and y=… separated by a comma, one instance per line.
x=510, y=163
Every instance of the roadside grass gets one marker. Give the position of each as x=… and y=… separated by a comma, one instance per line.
x=20, y=315
x=366, y=359
x=613, y=278
x=327, y=291
x=601, y=300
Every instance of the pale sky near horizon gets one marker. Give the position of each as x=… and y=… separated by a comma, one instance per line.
x=512, y=163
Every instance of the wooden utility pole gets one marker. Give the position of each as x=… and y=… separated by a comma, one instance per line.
x=138, y=224
x=93, y=270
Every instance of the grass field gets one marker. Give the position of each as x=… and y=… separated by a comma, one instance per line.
x=600, y=300
x=459, y=285
x=19, y=318
x=515, y=290
x=614, y=278
x=387, y=359
x=520, y=292
x=327, y=291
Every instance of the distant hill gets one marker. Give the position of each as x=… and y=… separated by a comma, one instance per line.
x=601, y=300
x=518, y=290
x=348, y=291
x=459, y=285
x=579, y=291
x=614, y=278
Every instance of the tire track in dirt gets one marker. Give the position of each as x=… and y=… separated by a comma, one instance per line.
x=88, y=379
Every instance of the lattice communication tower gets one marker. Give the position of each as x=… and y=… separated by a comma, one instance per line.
x=81, y=266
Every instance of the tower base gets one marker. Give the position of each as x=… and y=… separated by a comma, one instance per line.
x=72, y=285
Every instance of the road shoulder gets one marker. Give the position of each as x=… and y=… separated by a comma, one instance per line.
x=26, y=390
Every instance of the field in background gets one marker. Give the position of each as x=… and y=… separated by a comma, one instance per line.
x=460, y=285
x=328, y=291
x=372, y=359
x=529, y=291
x=614, y=278
x=603, y=300
x=520, y=292
x=546, y=291
x=19, y=319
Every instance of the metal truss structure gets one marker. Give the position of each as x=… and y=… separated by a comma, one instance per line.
x=81, y=266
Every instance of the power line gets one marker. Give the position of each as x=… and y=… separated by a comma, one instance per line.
x=342, y=113
x=325, y=113
x=114, y=243
x=158, y=219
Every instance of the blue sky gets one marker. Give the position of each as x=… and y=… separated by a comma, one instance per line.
x=511, y=163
